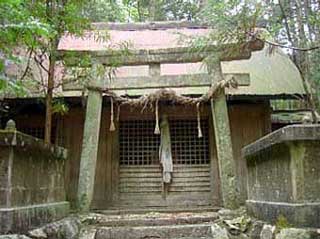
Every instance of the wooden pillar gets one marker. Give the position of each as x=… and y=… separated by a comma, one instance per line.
x=90, y=142
x=222, y=133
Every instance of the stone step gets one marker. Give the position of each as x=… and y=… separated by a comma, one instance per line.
x=152, y=232
x=120, y=211
x=150, y=219
x=192, y=237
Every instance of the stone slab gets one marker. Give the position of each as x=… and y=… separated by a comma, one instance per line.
x=300, y=215
x=16, y=139
x=144, y=210
x=299, y=132
x=22, y=219
x=151, y=219
x=175, y=231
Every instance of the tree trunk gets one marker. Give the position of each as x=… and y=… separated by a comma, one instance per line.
x=304, y=62
x=139, y=10
x=49, y=97
x=152, y=10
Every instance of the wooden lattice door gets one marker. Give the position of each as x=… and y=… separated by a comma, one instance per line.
x=140, y=175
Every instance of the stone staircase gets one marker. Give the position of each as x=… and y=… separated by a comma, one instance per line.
x=150, y=224
x=207, y=223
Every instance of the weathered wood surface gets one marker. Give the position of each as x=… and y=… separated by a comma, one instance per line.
x=102, y=183
x=185, y=112
x=107, y=172
x=73, y=130
x=115, y=157
x=138, y=180
x=248, y=123
x=177, y=174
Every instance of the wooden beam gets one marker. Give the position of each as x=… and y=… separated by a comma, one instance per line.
x=169, y=55
x=163, y=81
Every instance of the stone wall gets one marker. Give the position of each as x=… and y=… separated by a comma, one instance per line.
x=284, y=175
x=32, y=190
x=269, y=179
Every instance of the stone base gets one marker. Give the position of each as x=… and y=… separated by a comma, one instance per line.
x=171, y=231
x=300, y=215
x=21, y=219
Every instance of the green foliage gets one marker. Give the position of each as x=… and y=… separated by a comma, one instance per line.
x=290, y=23
x=18, y=28
x=144, y=10
x=60, y=107
x=234, y=23
x=104, y=11
x=282, y=223
x=12, y=87
x=61, y=16
x=33, y=28
x=233, y=18
x=181, y=9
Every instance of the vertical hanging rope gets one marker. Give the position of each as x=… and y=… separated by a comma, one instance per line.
x=112, y=127
x=14, y=139
x=157, y=128
x=199, y=122
x=118, y=112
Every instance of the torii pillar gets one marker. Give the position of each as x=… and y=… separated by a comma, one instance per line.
x=227, y=167
x=90, y=140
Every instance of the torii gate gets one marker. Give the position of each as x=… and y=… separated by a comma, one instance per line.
x=154, y=58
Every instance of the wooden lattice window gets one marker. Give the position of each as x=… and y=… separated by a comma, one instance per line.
x=138, y=143
x=187, y=147
x=140, y=146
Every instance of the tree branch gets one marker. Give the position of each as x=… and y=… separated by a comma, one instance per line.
x=40, y=64
x=289, y=47
x=28, y=65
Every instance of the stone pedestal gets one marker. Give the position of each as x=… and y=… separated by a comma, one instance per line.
x=284, y=175
x=32, y=190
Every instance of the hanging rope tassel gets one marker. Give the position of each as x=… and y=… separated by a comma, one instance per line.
x=112, y=127
x=14, y=139
x=199, y=122
x=157, y=128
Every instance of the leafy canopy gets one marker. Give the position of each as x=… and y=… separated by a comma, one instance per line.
x=18, y=28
